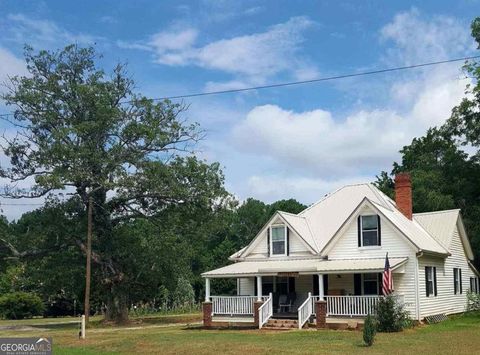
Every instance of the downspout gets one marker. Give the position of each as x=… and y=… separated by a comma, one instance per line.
x=417, y=286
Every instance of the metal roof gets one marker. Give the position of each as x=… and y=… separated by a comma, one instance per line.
x=440, y=224
x=318, y=224
x=307, y=266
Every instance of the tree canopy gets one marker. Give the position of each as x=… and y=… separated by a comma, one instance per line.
x=87, y=133
x=445, y=162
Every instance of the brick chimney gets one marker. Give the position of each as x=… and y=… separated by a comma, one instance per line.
x=403, y=194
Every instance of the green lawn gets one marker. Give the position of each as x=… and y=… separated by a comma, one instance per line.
x=459, y=335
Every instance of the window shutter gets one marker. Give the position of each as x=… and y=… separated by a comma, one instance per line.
x=255, y=288
x=460, y=276
x=325, y=284
x=379, y=231
x=357, y=284
x=268, y=240
x=288, y=241
x=380, y=283
x=435, y=280
x=359, y=231
x=455, y=276
x=291, y=285
x=315, y=289
x=426, y=282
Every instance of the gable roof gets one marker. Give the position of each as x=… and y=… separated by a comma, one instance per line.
x=296, y=223
x=411, y=230
x=441, y=225
x=326, y=216
x=318, y=224
x=300, y=225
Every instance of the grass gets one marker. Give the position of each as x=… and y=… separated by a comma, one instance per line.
x=459, y=335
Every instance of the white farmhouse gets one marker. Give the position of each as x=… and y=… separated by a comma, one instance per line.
x=327, y=262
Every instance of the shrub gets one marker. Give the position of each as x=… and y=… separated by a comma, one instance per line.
x=20, y=305
x=391, y=315
x=369, y=330
x=473, y=301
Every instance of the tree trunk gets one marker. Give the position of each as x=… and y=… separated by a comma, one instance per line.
x=117, y=307
x=89, y=263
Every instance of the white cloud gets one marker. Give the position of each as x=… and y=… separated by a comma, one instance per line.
x=417, y=39
x=312, y=148
x=255, y=56
x=36, y=32
x=11, y=65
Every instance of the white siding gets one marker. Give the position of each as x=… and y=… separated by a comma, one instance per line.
x=246, y=286
x=297, y=246
x=445, y=301
x=346, y=247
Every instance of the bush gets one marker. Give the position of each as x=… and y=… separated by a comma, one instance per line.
x=20, y=305
x=391, y=315
x=473, y=301
x=369, y=330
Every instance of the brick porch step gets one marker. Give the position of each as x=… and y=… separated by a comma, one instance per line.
x=281, y=324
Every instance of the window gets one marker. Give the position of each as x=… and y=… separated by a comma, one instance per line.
x=457, y=281
x=370, y=284
x=278, y=240
x=431, y=280
x=370, y=230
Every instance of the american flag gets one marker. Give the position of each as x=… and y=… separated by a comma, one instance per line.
x=387, y=284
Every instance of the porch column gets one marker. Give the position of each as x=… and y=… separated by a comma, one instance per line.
x=207, y=289
x=259, y=288
x=321, y=291
x=207, y=305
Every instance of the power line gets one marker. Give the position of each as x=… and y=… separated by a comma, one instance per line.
x=328, y=78
x=301, y=82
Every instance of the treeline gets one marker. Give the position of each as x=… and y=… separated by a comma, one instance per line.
x=161, y=258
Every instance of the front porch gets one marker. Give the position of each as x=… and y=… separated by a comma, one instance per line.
x=292, y=297
x=339, y=293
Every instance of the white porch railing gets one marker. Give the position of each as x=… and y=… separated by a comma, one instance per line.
x=265, y=311
x=233, y=305
x=305, y=311
x=351, y=306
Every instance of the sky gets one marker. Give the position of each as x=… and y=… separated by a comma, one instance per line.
x=293, y=142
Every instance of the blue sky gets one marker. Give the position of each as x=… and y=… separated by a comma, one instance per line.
x=301, y=141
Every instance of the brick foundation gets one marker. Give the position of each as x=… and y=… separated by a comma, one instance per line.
x=207, y=314
x=321, y=311
x=256, y=306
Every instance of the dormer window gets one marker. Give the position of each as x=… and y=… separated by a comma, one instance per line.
x=278, y=240
x=369, y=230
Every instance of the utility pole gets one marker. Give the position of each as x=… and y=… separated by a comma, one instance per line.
x=89, y=256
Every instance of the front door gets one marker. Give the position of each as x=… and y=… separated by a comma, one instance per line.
x=283, y=291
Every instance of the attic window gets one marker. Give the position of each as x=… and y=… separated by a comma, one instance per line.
x=278, y=240
x=370, y=230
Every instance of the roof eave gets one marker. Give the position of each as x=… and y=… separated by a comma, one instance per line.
x=422, y=252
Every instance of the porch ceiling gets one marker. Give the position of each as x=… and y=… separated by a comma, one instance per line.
x=304, y=266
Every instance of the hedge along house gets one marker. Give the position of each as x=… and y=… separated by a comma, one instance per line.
x=327, y=262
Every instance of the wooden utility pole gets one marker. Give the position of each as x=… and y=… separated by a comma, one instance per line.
x=89, y=256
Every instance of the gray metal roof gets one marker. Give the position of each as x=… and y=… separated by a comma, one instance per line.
x=308, y=266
